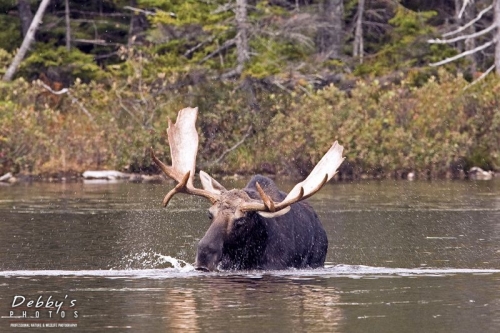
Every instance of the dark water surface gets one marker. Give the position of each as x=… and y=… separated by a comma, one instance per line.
x=403, y=257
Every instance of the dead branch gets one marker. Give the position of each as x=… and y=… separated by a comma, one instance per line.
x=27, y=41
x=82, y=107
x=227, y=44
x=142, y=11
x=94, y=41
x=471, y=22
x=60, y=92
x=480, y=77
x=189, y=52
x=131, y=114
x=92, y=14
x=105, y=56
x=282, y=87
x=51, y=25
x=463, y=54
x=227, y=151
x=305, y=91
x=223, y=8
x=290, y=35
x=462, y=10
x=73, y=99
x=456, y=39
x=234, y=72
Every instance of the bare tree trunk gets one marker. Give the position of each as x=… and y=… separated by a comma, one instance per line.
x=458, y=5
x=138, y=23
x=329, y=40
x=242, y=35
x=470, y=43
x=25, y=15
x=68, y=25
x=497, y=36
x=30, y=37
x=358, y=34
x=465, y=33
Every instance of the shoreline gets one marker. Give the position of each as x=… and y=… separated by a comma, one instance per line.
x=113, y=176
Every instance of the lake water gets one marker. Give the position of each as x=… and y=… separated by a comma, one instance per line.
x=403, y=257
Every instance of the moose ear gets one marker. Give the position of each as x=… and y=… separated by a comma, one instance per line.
x=211, y=184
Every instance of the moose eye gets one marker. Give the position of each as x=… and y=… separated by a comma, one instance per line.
x=239, y=223
x=210, y=215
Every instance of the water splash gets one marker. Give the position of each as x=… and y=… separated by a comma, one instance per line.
x=181, y=269
x=178, y=264
x=153, y=260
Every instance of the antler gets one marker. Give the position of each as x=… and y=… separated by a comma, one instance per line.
x=319, y=176
x=183, y=141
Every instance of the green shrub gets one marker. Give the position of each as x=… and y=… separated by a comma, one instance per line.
x=385, y=131
x=247, y=128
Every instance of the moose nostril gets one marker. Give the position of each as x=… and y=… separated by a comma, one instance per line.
x=207, y=257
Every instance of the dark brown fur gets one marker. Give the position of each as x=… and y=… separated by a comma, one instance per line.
x=247, y=240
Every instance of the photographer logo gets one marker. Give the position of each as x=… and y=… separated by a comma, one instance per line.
x=43, y=311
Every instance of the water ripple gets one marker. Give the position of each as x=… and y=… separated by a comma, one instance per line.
x=351, y=271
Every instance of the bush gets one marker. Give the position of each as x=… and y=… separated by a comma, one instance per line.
x=386, y=129
x=392, y=130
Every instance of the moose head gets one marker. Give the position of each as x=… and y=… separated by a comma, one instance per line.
x=258, y=227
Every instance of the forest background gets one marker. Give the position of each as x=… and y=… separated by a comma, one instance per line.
x=405, y=86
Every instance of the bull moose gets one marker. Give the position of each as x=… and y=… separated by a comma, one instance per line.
x=258, y=227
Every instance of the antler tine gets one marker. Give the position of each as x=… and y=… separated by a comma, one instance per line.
x=179, y=188
x=271, y=206
x=319, y=176
x=301, y=196
x=183, y=185
x=167, y=170
x=183, y=142
x=268, y=202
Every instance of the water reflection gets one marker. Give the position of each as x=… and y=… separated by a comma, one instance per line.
x=274, y=303
x=278, y=302
x=180, y=310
